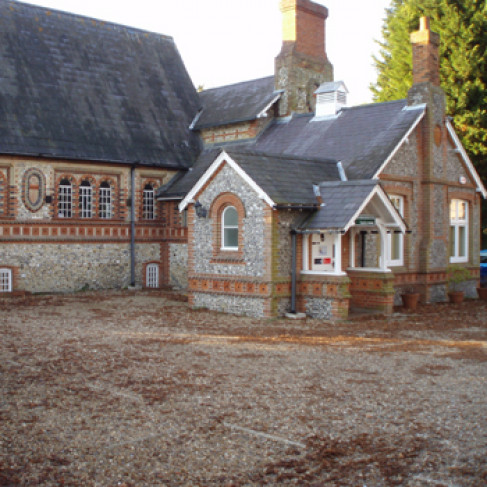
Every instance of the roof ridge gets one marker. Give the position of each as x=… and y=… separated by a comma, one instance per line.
x=282, y=156
x=73, y=16
x=375, y=104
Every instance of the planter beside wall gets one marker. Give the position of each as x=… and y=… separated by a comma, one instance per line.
x=482, y=292
x=410, y=300
x=456, y=297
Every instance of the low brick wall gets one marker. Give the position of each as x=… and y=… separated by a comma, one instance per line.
x=372, y=290
x=323, y=297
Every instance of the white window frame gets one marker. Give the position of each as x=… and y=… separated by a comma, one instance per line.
x=5, y=280
x=456, y=223
x=152, y=276
x=105, y=202
x=65, y=200
x=86, y=200
x=398, y=202
x=148, y=207
x=229, y=227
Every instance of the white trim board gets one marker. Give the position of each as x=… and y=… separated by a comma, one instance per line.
x=224, y=158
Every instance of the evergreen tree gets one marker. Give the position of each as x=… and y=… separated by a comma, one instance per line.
x=462, y=26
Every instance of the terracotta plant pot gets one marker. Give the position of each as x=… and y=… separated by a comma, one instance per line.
x=456, y=297
x=410, y=300
x=482, y=292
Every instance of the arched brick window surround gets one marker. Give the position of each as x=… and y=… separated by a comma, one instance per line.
x=216, y=213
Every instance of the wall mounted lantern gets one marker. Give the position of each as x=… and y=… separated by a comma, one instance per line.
x=201, y=211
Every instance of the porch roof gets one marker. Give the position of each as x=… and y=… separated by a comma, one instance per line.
x=345, y=201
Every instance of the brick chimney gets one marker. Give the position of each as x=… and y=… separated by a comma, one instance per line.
x=431, y=135
x=426, y=65
x=302, y=65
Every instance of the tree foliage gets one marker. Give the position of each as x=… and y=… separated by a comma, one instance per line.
x=462, y=26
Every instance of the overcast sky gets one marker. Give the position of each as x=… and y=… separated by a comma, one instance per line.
x=227, y=41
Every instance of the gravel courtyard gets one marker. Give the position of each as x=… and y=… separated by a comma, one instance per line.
x=134, y=389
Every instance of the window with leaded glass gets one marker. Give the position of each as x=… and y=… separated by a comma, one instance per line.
x=86, y=200
x=148, y=212
x=65, y=199
x=105, y=201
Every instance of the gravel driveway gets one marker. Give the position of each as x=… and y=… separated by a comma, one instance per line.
x=124, y=389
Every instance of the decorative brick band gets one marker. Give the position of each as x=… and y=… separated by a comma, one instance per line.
x=229, y=286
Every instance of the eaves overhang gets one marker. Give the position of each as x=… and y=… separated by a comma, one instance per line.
x=471, y=168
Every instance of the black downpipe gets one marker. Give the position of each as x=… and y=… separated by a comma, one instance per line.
x=293, y=271
x=132, y=226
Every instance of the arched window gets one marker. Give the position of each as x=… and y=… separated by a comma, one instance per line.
x=5, y=280
x=86, y=199
x=152, y=275
x=105, y=200
x=148, y=203
x=229, y=236
x=65, y=199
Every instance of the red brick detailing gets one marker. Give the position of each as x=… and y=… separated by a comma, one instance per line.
x=303, y=23
x=81, y=231
x=372, y=290
x=426, y=67
x=4, y=197
x=334, y=289
x=219, y=204
x=234, y=286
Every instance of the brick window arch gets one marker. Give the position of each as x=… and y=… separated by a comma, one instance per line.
x=227, y=213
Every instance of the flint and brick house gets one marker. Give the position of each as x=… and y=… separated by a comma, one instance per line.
x=258, y=198
x=94, y=117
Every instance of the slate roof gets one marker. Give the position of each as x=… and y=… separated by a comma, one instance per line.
x=286, y=180
x=77, y=88
x=235, y=103
x=360, y=137
x=341, y=202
